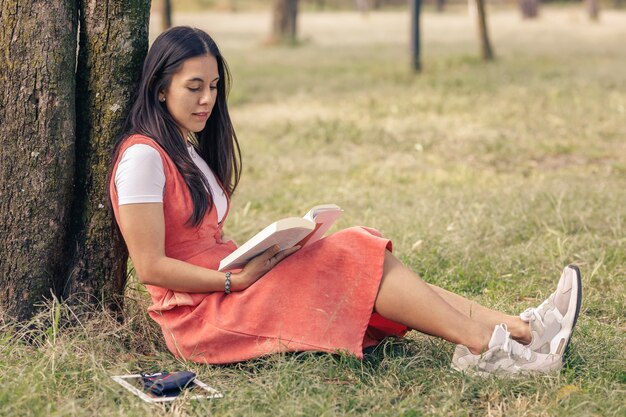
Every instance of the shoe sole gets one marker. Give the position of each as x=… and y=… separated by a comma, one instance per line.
x=563, y=335
x=476, y=371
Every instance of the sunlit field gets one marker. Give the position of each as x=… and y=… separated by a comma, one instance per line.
x=488, y=177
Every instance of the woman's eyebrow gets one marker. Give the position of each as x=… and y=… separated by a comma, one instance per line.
x=201, y=79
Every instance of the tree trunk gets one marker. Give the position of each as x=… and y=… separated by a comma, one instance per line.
x=113, y=45
x=593, y=9
x=486, y=50
x=440, y=5
x=529, y=8
x=416, y=61
x=37, y=63
x=284, y=22
x=363, y=6
x=166, y=16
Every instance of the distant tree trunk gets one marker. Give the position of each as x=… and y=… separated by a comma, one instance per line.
x=113, y=44
x=166, y=16
x=362, y=6
x=284, y=23
x=232, y=5
x=486, y=50
x=37, y=62
x=529, y=8
x=321, y=4
x=440, y=5
x=416, y=61
x=593, y=9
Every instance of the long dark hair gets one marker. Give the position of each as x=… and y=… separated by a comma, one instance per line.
x=217, y=142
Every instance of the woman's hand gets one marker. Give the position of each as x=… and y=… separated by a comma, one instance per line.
x=259, y=266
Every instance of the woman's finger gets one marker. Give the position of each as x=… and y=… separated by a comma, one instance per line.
x=269, y=253
x=283, y=254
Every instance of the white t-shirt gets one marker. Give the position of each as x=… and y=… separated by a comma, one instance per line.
x=140, y=178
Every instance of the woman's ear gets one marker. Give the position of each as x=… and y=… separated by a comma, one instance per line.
x=162, y=97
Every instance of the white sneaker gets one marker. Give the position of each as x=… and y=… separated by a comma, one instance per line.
x=552, y=323
x=504, y=356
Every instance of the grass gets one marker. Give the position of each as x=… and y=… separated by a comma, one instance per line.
x=489, y=178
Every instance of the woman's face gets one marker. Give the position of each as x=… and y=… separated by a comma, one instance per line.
x=192, y=92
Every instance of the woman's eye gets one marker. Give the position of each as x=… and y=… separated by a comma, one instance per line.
x=194, y=89
x=213, y=87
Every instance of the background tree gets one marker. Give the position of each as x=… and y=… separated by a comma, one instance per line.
x=284, y=21
x=486, y=51
x=166, y=14
x=416, y=60
x=529, y=8
x=593, y=9
x=58, y=118
x=363, y=6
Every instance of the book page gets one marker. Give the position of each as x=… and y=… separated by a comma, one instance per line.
x=324, y=216
x=316, y=210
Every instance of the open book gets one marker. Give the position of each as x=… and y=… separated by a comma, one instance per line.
x=285, y=233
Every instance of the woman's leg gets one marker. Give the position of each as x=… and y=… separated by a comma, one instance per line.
x=520, y=330
x=405, y=298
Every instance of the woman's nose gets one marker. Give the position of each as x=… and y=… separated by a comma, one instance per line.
x=206, y=96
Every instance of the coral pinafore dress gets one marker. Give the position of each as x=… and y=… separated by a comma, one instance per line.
x=321, y=298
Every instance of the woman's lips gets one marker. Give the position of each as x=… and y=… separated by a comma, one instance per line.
x=201, y=115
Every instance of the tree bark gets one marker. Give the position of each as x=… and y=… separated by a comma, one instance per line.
x=486, y=51
x=113, y=45
x=284, y=21
x=37, y=63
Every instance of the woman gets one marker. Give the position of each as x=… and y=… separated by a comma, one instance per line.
x=174, y=171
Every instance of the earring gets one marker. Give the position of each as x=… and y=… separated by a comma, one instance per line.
x=162, y=99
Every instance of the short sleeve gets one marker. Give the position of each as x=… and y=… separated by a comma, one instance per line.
x=140, y=177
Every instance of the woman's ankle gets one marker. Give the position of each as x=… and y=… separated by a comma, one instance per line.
x=520, y=330
x=480, y=341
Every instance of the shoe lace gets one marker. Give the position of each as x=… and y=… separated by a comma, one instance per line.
x=539, y=311
x=515, y=349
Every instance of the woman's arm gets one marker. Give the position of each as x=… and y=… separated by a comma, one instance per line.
x=143, y=228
